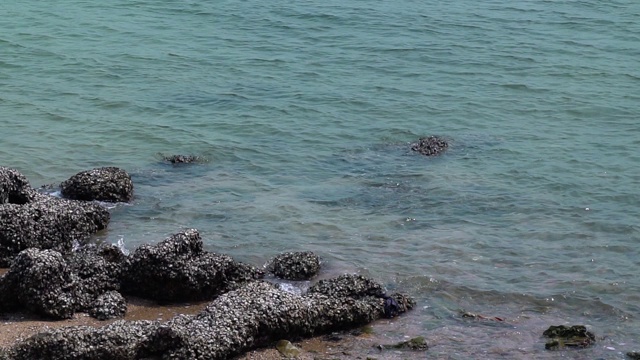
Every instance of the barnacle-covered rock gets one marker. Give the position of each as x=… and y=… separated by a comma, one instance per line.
x=42, y=282
x=178, y=269
x=295, y=265
x=348, y=285
x=47, y=223
x=255, y=314
x=14, y=187
x=117, y=341
x=103, y=184
x=109, y=305
x=429, y=146
x=96, y=270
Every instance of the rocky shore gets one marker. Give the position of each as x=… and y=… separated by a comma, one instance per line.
x=56, y=272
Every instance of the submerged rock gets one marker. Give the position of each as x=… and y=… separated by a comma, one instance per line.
x=287, y=349
x=295, y=265
x=103, y=184
x=416, y=344
x=182, y=159
x=255, y=314
x=430, y=146
x=562, y=336
x=178, y=269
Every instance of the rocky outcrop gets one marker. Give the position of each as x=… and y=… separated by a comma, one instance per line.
x=29, y=219
x=109, y=184
x=295, y=265
x=429, y=146
x=178, y=269
x=255, y=314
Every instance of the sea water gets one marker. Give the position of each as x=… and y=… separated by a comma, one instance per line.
x=305, y=112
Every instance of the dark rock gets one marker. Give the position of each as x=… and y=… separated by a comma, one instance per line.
x=633, y=355
x=41, y=282
x=14, y=187
x=109, y=305
x=47, y=222
x=295, y=265
x=178, y=269
x=563, y=336
x=182, y=159
x=415, y=344
x=430, y=146
x=103, y=184
x=255, y=314
x=97, y=270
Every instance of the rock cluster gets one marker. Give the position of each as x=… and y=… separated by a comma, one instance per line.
x=430, y=146
x=295, y=265
x=103, y=184
x=29, y=219
x=38, y=232
x=90, y=279
x=255, y=314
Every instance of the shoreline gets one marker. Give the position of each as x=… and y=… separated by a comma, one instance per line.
x=348, y=344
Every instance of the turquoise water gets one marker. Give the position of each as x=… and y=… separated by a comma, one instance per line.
x=305, y=112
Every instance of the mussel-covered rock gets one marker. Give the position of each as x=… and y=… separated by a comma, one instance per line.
x=118, y=341
x=178, y=269
x=47, y=223
x=429, y=146
x=109, y=305
x=348, y=285
x=295, y=265
x=97, y=269
x=29, y=219
x=103, y=184
x=563, y=336
x=14, y=187
x=255, y=314
x=41, y=282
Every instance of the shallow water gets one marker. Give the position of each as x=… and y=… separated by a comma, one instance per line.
x=305, y=113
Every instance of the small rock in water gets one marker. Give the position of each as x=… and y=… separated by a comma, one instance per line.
x=633, y=355
x=563, y=336
x=286, y=348
x=417, y=344
x=430, y=146
x=182, y=159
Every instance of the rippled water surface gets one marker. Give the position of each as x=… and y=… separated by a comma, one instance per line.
x=305, y=112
